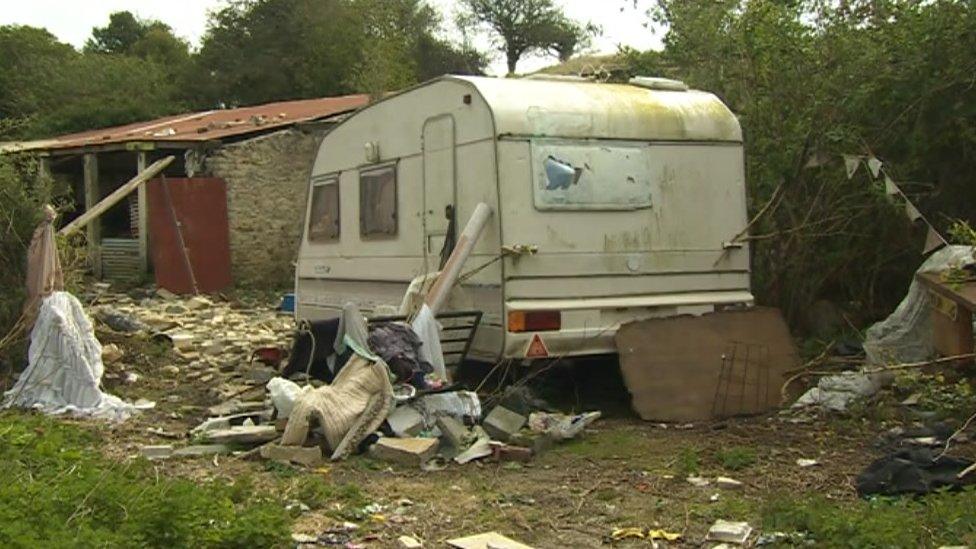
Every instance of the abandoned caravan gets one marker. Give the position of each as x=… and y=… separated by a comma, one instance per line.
x=611, y=203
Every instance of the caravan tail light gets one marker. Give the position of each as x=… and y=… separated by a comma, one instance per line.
x=534, y=321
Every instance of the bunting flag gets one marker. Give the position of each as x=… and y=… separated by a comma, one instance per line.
x=912, y=212
x=890, y=188
x=933, y=240
x=851, y=163
x=875, y=166
x=816, y=160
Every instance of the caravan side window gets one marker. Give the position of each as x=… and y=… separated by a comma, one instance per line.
x=323, y=220
x=378, y=202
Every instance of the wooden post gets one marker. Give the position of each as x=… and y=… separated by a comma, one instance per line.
x=143, y=200
x=92, y=197
x=44, y=168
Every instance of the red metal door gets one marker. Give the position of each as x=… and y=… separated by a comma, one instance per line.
x=189, y=235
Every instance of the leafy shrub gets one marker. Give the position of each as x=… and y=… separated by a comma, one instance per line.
x=688, y=462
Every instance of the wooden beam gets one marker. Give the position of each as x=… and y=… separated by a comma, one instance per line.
x=143, y=199
x=93, y=211
x=92, y=196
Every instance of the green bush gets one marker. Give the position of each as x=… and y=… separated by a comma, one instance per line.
x=59, y=492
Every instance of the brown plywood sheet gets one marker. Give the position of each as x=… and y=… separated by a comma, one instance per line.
x=696, y=368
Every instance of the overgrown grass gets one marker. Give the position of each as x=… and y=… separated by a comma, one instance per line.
x=736, y=458
x=944, y=518
x=59, y=492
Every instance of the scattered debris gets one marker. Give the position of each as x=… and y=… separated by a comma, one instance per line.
x=561, y=426
x=805, y=462
x=729, y=532
x=202, y=450
x=489, y=540
x=727, y=483
x=242, y=434
x=409, y=542
x=700, y=482
x=405, y=421
x=911, y=471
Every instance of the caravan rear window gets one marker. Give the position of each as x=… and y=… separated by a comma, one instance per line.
x=378, y=202
x=572, y=175
x=323, y=221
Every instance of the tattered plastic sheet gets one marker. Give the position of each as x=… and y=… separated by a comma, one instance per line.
x=429, y=331
x=906, y=335
x=65, y=365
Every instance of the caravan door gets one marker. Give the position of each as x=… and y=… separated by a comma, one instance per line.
x=439, y=190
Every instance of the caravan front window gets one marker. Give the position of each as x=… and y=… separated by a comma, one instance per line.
x=580, y=175
x=323, y=220
x=378, y=202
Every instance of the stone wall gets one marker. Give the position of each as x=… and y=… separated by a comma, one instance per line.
x=267, y=179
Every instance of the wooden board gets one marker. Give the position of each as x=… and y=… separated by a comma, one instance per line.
x=964, y=294
x=722, y=364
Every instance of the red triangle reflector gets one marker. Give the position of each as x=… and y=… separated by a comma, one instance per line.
x=536, y=349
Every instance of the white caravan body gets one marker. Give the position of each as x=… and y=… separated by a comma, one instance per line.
x=631, y=195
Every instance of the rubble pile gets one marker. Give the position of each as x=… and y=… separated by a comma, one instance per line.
x=212, y=339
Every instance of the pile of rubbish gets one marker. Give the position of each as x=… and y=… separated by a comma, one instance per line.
x=406, y=414
x=905, y=336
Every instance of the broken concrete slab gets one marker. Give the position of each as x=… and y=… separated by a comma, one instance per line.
x=201, y=450
x=456, y=434
x=243, y=434
x=729, y=532
x=405, y=421
x=502, y=423
x=405, y=451
x=161, y=451
x=309, y=456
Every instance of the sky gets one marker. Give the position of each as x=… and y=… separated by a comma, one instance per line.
x=72, y=20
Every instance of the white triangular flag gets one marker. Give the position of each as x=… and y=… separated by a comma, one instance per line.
x=933, y=240
x=851, y=163
x=912, y=212
x=875, y=166
x=816, y=160
x=890, y=188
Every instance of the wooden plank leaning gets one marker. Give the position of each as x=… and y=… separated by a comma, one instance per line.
x=452, y=268
x=116, y=196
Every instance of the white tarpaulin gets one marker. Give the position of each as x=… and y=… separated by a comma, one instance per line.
x=906, y=335
x=429, y=332
x=65, y=365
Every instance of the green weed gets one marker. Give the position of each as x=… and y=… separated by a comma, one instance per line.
x=736, y=458
x=687, y=462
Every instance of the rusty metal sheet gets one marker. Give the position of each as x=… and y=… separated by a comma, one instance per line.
x=194, y=251
x=206, y=125
x=697, y=368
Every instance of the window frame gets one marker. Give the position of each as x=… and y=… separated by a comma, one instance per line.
x=372, y=170
x=317, y=183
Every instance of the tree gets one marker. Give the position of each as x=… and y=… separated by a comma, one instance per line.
x=119, y=36
x=525, y=26
x=567, y=38
x=264, y=50
x=31, y=63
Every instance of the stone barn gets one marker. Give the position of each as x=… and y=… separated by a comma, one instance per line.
x=228, y=209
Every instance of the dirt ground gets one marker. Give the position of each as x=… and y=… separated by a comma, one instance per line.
x=622, y=472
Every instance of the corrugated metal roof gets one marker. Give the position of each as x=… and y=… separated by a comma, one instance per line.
x=201, y=126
